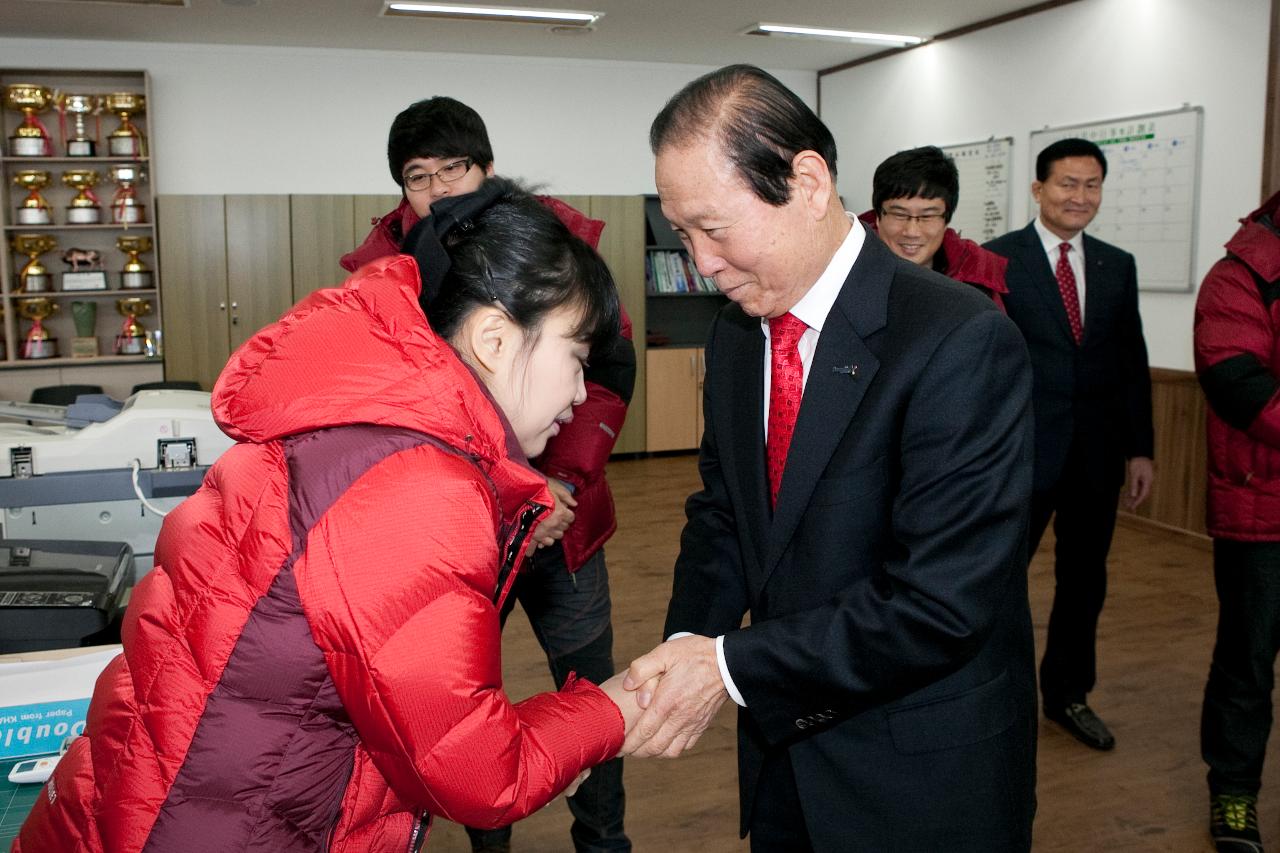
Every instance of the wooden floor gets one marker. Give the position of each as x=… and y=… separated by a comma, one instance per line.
x=1155, y=641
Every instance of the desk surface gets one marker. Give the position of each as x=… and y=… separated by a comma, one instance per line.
x=15, y=802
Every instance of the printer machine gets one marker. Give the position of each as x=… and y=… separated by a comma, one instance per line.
x=101, y=470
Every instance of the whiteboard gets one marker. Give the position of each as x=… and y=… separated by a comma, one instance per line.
x=1151, y=195
x=982, y=213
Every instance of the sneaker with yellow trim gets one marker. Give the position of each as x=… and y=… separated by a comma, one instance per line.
x=1233, y=823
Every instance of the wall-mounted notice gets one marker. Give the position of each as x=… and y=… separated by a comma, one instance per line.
x=1152, y=191
x=985, y=167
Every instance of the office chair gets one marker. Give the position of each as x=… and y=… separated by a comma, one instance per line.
x=178, y=384
x=62, y=395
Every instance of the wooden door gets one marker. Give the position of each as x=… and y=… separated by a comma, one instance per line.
x=193, y=255
x=321, y=229
x=259, y=263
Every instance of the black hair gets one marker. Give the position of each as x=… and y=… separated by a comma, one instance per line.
x=518, y=255
x=437, y=127
x=760, y=124
x=917, y=173
x=1064, y=148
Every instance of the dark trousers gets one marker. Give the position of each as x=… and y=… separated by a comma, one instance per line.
x=570, y=616
x=777, y=821
x=1083, y=508
x=1236, y=719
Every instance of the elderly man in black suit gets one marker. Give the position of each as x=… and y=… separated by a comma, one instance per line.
x=1075, y=298
x=866, y=467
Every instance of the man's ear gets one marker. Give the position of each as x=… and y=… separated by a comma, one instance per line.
x=491, y=339
x=1036, y=186
x=811, y=179
x=488, y=171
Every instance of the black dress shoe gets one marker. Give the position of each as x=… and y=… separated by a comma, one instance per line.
x=1084, y=725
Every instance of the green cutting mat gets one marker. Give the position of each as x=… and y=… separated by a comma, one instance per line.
x=15, y=802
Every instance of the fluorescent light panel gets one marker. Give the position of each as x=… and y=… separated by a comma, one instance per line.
x=831, y=35
x=494, y=13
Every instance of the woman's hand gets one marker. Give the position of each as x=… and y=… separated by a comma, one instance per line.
x=553, y=527
x=624, y=699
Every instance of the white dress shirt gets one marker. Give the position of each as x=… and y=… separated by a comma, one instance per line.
x=812, y=309
x=1075, y=257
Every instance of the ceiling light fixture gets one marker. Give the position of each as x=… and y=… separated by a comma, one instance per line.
x=493, y=13
x=831, y=35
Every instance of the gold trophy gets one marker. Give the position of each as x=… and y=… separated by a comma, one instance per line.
x=79, y=145
x=125, y=207
x=84, y=209
x=135, y=275
x=34, y=277
x=30, y=139
x=34, y=210
x=39, y=343
x=132, y=339
x=126, y=140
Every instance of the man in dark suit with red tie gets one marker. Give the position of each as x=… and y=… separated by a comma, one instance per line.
x=1075, y=298
x=866, y=466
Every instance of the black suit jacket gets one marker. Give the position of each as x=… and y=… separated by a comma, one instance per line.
x=1098, y=393
x=890, y=646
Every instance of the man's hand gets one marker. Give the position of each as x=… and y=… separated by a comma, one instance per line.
x=688, y=693
x=554, y=525
x=1141, y=475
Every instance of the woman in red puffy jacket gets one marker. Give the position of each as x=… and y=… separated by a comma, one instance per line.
x=314, y=662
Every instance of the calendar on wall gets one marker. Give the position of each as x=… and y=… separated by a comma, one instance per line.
x=1151, y=194
x=982, y=213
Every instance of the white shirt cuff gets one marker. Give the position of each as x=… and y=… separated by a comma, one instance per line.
x=729, y=686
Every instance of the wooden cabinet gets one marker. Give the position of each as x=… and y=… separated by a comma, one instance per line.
x=229, y=276
x=114, y=201
x=674, y=391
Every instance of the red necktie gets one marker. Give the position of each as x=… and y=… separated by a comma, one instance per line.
x=1070, y=296
x=786, y=387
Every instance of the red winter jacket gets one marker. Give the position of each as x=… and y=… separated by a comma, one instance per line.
x=963, y=260
x=314, y=662
x=578, y=454
x=1237, y=343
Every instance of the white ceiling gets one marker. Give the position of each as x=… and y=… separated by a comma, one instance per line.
x=703, y=32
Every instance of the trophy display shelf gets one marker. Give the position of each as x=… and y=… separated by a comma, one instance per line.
x=101, y=158
x=114, y=292
x=98, y=226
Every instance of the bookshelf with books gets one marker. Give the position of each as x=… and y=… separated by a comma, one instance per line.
x=680, y=303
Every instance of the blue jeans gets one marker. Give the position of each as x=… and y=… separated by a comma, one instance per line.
x=570, y=616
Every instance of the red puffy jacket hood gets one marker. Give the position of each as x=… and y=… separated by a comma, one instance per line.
x=1254, y=242
x=364, y=354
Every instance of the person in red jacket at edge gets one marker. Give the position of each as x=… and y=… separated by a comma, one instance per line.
x=1237, y=351
x=439, y=148
x=314, y=663
x=913, y=197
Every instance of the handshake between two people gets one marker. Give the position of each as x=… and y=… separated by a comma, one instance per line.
x=669, y=696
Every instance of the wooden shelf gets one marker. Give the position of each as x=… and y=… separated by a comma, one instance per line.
x=65, y=361
x=142, y=161
x=101, y=226
x=81, y=294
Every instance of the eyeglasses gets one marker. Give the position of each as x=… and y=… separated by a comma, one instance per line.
x=419, y=181
x=902, y=217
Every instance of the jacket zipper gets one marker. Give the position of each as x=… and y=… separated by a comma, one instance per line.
x=418, y=837
x=515, y=545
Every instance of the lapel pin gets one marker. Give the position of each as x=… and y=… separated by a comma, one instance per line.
x=851, y=370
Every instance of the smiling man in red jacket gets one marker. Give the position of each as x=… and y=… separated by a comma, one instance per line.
x=436, y=148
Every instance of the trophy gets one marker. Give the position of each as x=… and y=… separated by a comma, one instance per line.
x=33, y=277
x=126, y=140
x=125, y=207
x=83, y=209
x=80, y=145
x=86, y=270
x=132, y=339
x=39, y=343
x=30, y=139
x=34, y=210
x=135, y=275
x=85, y=316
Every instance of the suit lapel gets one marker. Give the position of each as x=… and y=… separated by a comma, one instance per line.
x=842, y=370
x=1043, y=278
x=1097, y=281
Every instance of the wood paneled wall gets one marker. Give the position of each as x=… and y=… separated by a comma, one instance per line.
x=1178, y=497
